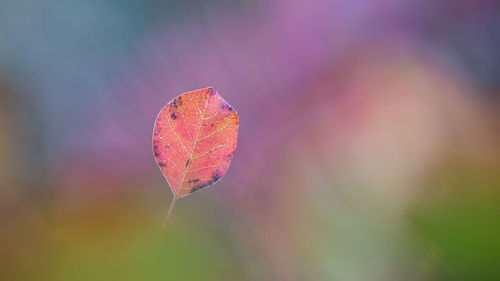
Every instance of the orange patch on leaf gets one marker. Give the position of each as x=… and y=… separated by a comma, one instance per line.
x=194, y=140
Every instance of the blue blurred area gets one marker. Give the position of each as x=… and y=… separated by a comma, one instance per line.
x=368, y=144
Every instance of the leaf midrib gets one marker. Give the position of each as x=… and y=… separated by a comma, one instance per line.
x=194, y=146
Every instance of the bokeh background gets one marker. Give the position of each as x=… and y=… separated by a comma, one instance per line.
x=369, y=139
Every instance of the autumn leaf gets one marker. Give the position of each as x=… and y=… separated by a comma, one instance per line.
x=194, y=140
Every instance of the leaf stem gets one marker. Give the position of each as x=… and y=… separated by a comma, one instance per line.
x=172, y=204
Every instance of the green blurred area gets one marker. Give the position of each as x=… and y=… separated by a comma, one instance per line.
x=458, y=226
x=113, y=242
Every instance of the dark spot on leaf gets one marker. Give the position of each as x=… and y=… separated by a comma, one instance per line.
x=157, y=154
x=222, y=106
x=175, y=103
x=187, y=162
x=196, y=188
x=230, y=108
x=212, y=91
x=216, y=177
x=173, y=116
x=168, y=146
x=162, y=164
x=193, y=180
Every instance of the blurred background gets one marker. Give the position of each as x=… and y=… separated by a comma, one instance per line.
x=369, y=140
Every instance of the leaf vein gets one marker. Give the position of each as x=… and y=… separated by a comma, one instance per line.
x=168, y=120
x=195, y=142
x=178, y=154
x=210, y=150
x=218, y=131
x=206, y=167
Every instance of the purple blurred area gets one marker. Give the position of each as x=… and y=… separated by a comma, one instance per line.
x=368, y=145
